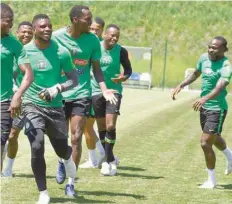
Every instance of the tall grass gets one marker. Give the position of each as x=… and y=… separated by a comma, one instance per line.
x=188, y=27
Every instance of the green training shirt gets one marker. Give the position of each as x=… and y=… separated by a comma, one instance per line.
x=83, y=50
x=110, y=65
x=47, y=65
x=11, y=49
x=212, y=71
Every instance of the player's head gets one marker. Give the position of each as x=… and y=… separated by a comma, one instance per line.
x=217, y=47
x=25, y=32
x=42, y=27
x=97, y=26
x=7, y=17
x=81, y=18
x=111, y=35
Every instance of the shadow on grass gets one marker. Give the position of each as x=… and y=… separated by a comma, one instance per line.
x=105, y=193
x=78, y=199
x=225, y=186
x=139, y=176
x=31, y=176
x=129, y=168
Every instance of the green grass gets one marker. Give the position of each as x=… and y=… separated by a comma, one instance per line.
x=161, y=159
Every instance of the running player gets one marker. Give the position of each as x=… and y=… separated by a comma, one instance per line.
x=11, y=49
x=85, y=50
x=216, y=73
x=106, y=113
x=92, y=140
x=25, y=35
x=42, y=103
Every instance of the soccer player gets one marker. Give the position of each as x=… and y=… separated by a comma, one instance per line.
x=91, y=137
x=216, y=73
x=11, y=49
x=25, y=35
x=42, y=103
x=106, y=113
x=85, y=51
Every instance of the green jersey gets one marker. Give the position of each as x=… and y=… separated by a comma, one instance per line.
x=11, y=49
x=47, y=66
x=17, y=71
x=110, y=65
x=83, y=50
x=212, y=71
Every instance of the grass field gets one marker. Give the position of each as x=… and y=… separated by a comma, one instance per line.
x=161, y=159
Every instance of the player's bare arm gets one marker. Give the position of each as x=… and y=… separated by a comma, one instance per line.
x=27, y=80
x=107, y=93
x=188, y=80
x=221, y=84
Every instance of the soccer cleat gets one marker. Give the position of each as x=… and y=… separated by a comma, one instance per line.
x=43, y=199
x=61, y=173
x=113, y=168
x=87, y=165
x=105, y=170
x=228, y=167
x=208, y=185
x=69, y=190
x=116, y=160
x=7, y=173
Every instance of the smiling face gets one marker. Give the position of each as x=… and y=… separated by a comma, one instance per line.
x=216, y=50
x=43, y=29
x=6, y=23
x=96, y=29
x=25, y=34
x=111, y=36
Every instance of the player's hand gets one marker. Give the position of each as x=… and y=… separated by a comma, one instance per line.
x=15, y=105
x=175, y=92
x=119, y=78
x=109, y=96
x=198, y=104
x=49, y=94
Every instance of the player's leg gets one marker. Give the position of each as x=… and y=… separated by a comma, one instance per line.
x=6, y=123
x=90, y=138
x=12, y=149
x=34, y=129
x=57, y=132
x=220, y=143
x=210, y=122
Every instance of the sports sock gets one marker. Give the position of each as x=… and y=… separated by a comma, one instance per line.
x=227, y=153
x=109, y=145
x=100, y=148
x=211, y=175
x=102, y=135
x=10, y=163
x=70, y=167
x=92, y=156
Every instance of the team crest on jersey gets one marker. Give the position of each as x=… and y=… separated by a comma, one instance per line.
x=41, y=64
x=74, y=51
x=207, y=71
x=106, y=59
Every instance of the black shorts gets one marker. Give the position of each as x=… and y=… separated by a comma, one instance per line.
x=6, y=122
x=102, y=107
x=18, y=122
x=80, y=107
x=212, y=120
x=51, y=120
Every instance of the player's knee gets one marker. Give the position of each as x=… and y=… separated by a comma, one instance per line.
x=110, y=127
x=111, y=134
x=205, y=145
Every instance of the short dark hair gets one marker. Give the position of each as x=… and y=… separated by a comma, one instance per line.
x=223, y=40
x=25, y=23
x=39, y=16
x=113, y=26
x=100, y=21
x=76, y=11
x=6, y=10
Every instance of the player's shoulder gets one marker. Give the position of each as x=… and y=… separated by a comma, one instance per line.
x=61, y=50
x=91, y=36
x=204, y=57
x=29, y=45
x=60, y=32
x=13, y=40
